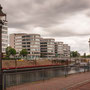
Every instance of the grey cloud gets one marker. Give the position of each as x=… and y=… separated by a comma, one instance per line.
x=65, y=33
x=23, y=14
x=42, y=13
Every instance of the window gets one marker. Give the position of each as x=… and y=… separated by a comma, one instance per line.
x=23, y=42
x=37, y=39
x=37, y=36
x=28, y=42
x=18, y=37
x=37, y=42
x=18, y=40
x=5, y=28
x=28, y=45
x=23, y=46
x=4, y=32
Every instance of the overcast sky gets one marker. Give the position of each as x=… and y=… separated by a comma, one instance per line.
x=64, y=20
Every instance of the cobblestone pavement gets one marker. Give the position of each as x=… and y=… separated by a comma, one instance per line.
x=59, y=83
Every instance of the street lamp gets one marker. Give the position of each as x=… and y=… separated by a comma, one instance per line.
x=2, y=15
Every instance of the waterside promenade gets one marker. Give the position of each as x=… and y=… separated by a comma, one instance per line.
x=82, y=87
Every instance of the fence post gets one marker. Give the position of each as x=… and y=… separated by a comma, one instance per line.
x=4, y=81
x=43, y=74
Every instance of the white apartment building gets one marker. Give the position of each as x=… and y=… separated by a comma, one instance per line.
x=62, y=50
x=4, y=37
x=16, y=41
x=30, y=42
x=47, y=47
x=66, y=50
x=59, y=49
x=39, y=47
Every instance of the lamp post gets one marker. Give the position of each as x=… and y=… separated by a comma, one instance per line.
x=89, y=45
x=2, y=15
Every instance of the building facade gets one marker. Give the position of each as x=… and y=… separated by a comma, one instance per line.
x=47, y=48
x=39, y=47
x=4, y=37
x=62, y=50
x=66, y=50
x=30, y=42
x=16, y=41
x=59, y=49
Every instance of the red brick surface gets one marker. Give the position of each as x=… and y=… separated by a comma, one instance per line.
x=55, y=84
x=82, y=87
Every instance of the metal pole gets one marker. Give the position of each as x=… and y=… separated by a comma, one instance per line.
x=88, y=65
x=84, y=67
x=1, y=73
x=89, y=45
x=65, y=71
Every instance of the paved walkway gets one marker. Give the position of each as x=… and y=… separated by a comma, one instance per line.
x=82, y=87
x=54, y=84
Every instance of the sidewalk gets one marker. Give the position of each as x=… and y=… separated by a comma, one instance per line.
x=55, y=84
x=85, y=86
x=82, y=87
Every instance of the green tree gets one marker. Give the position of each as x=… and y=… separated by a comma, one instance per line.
x=75, y=54
x=88, y=56
x=23, y=52
x=10, y=51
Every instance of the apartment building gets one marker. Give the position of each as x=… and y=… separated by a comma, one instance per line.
x=30, y=42
x=62, y=50
x=66, y=50
x=39, y=47
x=16, y=41
x=59, y=49
x=4, y=37
x=47, y=47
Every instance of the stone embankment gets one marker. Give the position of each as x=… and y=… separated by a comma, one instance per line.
x=23, y=63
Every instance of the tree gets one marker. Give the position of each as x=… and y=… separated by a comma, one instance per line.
x=23, y=52
x=84, y=55
x=88, y=56
x=10, y=51
x=74, y=54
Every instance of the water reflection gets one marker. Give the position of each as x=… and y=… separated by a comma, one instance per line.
x=43, y=74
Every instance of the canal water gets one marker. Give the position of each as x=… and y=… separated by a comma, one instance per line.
x=17, y=78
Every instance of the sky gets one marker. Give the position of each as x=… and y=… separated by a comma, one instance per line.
x=64, y=20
